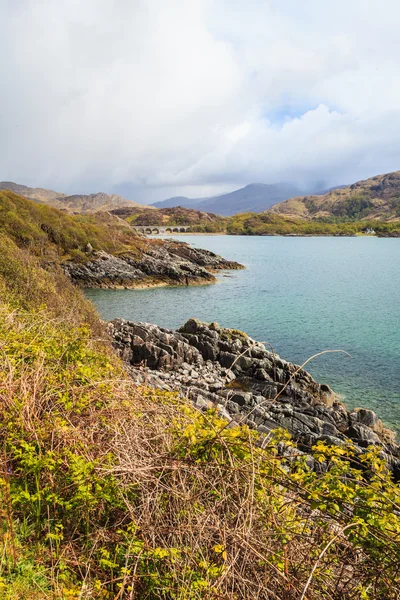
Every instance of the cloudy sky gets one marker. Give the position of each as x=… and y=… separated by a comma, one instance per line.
x=155, y=98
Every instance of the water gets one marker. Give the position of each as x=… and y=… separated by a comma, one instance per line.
x=302, y=295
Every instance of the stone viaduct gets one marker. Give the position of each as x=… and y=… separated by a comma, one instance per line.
x=154, y=229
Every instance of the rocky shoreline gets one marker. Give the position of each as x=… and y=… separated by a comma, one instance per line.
x=162, y=263
x=246, y=383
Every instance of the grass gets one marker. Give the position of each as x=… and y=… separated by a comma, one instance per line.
x=110, y=491
x=54, y=235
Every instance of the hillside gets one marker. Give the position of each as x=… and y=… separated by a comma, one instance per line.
x=50, y=233
x=90, y=203
x=114, y=491
x=102, y=250
x=39, y=194
x=266, y=223
x=77, y=203
x=171, y=216
x=377, y=198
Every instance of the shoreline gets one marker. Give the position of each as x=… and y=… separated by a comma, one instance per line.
x=169, y=263
x=225, y=369
x=224, y=233
x=145, y=285
x=288, y=235
x=332, y=430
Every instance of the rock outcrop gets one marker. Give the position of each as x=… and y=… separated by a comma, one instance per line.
x=164, y=263
x=226, y=369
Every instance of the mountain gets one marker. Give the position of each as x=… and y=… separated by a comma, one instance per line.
x=182, y=201
x=376, y=198
x=82, y=203
x=255, y=197
x=39, y=194
x=79, y=203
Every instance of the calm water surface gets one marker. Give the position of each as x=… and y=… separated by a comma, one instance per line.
x=302, y=295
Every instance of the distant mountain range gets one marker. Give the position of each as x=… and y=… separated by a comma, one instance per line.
x=255, y=197
x=374, y=198
x=79, y=203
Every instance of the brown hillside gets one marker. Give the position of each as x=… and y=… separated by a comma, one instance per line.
x=77, y=203
x=166, y=216
x=39, y=194
x=376, y=198
x=81, y=203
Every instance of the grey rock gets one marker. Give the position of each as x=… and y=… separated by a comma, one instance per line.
x=363, y=435
x=241, y=398
x=197, y=362
x=223, y=412
x=169, y=262
x=368, y=418
x=203, y=403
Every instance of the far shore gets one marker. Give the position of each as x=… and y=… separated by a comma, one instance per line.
x=288, y=235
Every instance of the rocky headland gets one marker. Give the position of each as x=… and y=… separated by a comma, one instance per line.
x=227, y=370
x=162, y=263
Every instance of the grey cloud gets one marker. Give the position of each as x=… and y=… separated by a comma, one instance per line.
x=153, y=98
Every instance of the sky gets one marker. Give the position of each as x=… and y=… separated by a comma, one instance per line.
x=158, y=98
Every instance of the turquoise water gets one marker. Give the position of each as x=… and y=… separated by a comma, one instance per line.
x=302, y=295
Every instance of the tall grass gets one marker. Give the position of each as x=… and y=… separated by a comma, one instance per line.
x=112, y=491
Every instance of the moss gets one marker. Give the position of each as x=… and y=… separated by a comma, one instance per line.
x=231, y=334
x=239, y=384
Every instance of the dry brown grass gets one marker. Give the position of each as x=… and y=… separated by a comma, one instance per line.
x=205, y=512
x=113, y=491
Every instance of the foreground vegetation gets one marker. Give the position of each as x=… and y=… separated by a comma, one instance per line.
x=113, y=491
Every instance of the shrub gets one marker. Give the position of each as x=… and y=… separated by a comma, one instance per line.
x=108, y=489
x=112, y=491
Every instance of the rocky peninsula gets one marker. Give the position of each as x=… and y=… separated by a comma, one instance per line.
x=227, y=370
x=163, y=262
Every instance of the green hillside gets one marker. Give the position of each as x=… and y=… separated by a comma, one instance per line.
x=271, y=223
x=46, y=231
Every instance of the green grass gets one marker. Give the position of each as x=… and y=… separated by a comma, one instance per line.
x=51, y=233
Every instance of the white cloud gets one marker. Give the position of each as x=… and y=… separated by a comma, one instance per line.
x=154, y=98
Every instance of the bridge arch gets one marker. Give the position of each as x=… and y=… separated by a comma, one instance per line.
x=159, y=229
